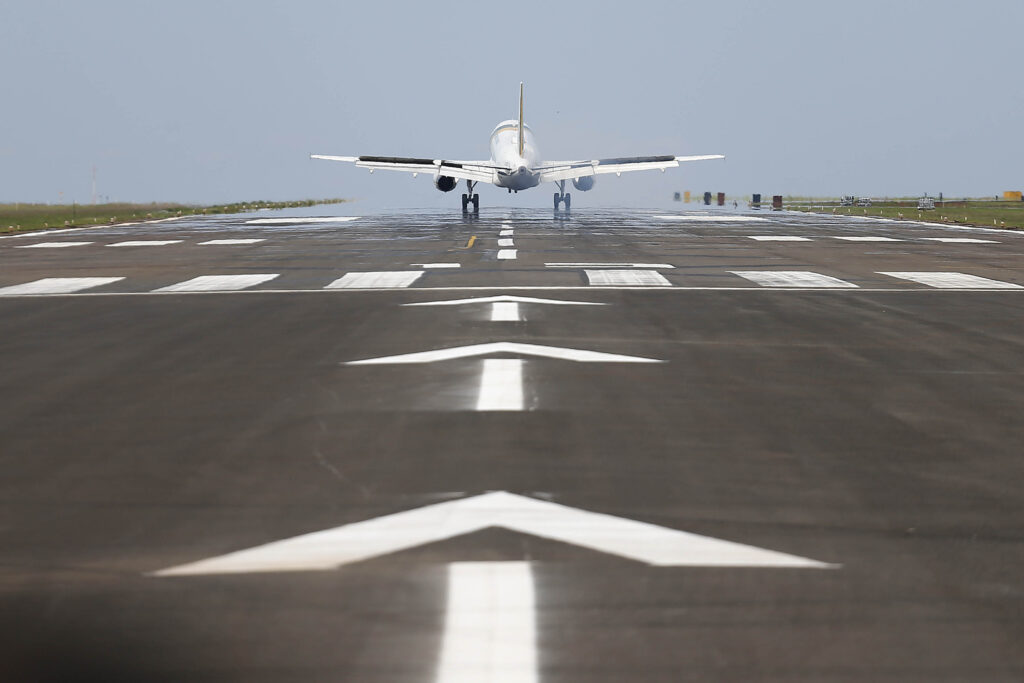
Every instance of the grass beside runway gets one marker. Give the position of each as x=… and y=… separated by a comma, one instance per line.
x=19, y=218
x=969, y=212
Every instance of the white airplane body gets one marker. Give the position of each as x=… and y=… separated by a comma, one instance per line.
x=515, y=165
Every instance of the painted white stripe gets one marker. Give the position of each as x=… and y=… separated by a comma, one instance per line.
x=506, y=297
x=865, y=238
x=501, y=385
x=661, y=266
x=316, y=219
x=376, y=280
x=238, y=241
x=506, y=242
x=792, y=278
x=53, y=245
x=506, y=233
x=144, y=243
x=218, y=283
x=703, y=218
x=632, y=278
x=489, y=630
x=505, y=311
x=437, y=265
x=778, y=238
x=57, y=285
x=475, y=350
x=952, y=280
x=959, y=240
x=507, y=254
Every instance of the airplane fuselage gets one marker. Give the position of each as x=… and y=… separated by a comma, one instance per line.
x=505, y=153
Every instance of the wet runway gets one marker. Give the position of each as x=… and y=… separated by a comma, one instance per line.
x=524, y=446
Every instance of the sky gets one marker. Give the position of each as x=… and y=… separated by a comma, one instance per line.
x=211, y=101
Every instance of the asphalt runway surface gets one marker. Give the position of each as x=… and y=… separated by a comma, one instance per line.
x=733, y=447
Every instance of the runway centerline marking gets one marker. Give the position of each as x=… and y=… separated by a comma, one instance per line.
x=52, y=245
x=507, y=254
x=57, y=285
x=144, y=243
x=636, y=278
x=941, y=280
x=778, y=238
x=643, y=542
x=505, y=311
x=392, y=279
x=652, y=266
x=960, y=240
x=792, y=278
x=703, y=218
x=219, y=283
x=300, y=220
x=436, y=265
x=489, y=629
x=501, y=385
x=233, y=241
x=865, y=238
x=506, y=298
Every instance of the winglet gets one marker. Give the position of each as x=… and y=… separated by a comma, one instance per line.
x=520, y=118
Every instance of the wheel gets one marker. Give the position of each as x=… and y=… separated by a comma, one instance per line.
x=465, y=202
x=476, y=203
x=558, y=199
x=568, y=201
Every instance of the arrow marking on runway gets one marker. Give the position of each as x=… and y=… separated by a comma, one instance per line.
x=640, y=541
x=474, y=350
x=506, y=299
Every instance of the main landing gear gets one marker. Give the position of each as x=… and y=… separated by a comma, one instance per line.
x=561, y=197
x=470, y=198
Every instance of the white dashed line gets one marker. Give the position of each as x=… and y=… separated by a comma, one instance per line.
x=632, y=278
x=959, y=240
x=218, y=283
x=701, y=218
x=393, y=279
x=865, y=238
x=952, y=280
x=53, y=245
x=501, y=385
x=238, y=241
x=57, y=285
x=436, y=265
x=792, y=278
x=144, y=243
x=507, y=254
x=657, y=266
x=289, y=221
x=778, y=238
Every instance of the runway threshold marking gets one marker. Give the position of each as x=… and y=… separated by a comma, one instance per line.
x=52, y=245
x=391, y=279
x=506, y=242
x=505, y=311
x=219, y=283
x=232, y=241
x=643, y=542
x=57, y=285
x=506, y=233
x=474, y=350
x=507, y=254
x=633, y=278
x=941, y=280
x=144, y=243
x=792, y=278
x=489, y=629
x=501, y=385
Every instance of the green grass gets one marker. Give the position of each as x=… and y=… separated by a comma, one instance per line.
x=18, y=218
x=971, y=212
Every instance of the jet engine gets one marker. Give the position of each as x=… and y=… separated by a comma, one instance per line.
x=583, y=183
x=445, y=183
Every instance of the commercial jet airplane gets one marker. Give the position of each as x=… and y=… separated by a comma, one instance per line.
x=516, y=165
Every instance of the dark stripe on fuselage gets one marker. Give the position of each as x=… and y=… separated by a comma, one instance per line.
x=634, y=160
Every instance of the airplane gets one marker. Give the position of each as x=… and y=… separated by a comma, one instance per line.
x=515, y=165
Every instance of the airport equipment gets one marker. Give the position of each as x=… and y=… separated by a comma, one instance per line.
x=686, y=196
x=756, y=201
x=721, y=199
x=925, y=204
x=777, y=202
x=677, y=197
x=1013, y=195
x=847, y=200
x=707, y=199
x=864, y=201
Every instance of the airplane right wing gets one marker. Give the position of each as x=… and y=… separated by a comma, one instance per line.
x=569, y=170
x=477, y=171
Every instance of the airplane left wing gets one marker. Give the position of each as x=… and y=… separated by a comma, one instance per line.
x=568, y=170
x=477, y=171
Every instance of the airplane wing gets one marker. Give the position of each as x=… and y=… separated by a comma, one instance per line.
x=567, y=170
x=477, y=171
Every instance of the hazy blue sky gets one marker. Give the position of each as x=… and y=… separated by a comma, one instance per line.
x=212, y=101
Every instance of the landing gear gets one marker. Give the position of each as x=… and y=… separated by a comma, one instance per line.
x=561, y=197
x=470, y=198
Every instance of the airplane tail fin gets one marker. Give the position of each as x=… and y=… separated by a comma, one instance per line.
x=521, y=136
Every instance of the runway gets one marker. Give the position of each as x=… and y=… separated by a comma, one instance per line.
x=523, y=446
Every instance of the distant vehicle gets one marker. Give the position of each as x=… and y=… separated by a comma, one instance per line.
x=925, y=204
x=864, y=201
x=515, y=165
x=847, y=200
